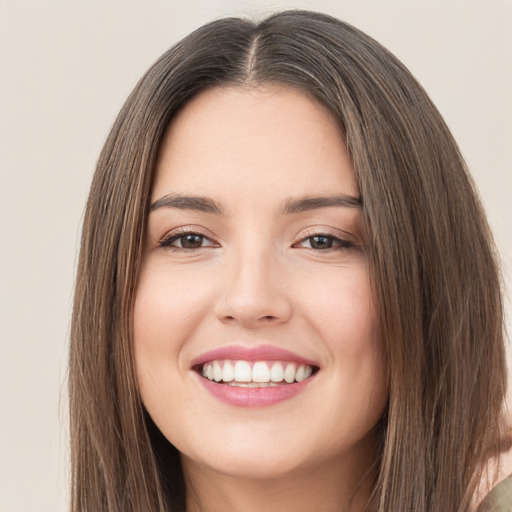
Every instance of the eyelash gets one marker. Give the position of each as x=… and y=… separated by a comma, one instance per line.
x=167, y=241
x=337, y=244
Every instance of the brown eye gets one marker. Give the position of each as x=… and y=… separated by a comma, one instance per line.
x=321, y=242
x=186, y=241
x=191, y=241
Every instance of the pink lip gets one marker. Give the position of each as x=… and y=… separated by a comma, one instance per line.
x=252, y=397
x=259, y=353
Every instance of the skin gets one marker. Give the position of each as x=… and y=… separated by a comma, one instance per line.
x=258, y=277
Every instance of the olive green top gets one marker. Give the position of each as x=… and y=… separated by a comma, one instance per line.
x=499, y=499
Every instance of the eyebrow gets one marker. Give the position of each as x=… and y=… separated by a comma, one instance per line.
x=182, y=202
x=304, y=204
x=289, y=207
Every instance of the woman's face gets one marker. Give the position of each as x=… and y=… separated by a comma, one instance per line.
x=255, y=334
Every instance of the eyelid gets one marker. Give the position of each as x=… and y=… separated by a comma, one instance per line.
x=345, y=240
x=174, y=234
x=330, y=232
x=341, y=243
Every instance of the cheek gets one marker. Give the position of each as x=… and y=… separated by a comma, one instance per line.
x=167, y=307
x=345, y=320
x=343, y=311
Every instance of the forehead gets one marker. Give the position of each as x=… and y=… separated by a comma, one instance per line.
x=258, y=139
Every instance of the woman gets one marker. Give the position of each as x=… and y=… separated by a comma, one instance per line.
x=287, y=295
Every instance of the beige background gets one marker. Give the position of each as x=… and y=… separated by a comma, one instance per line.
x=65, y=69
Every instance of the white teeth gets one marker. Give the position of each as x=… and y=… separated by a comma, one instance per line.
x=299, y=375
x=217, y=371
x=260, y=374
x=277, y=372
x=289, y=373
x=227, y=372
x=303, y=372
x=243, y=372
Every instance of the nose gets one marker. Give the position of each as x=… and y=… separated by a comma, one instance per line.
x=255, y=291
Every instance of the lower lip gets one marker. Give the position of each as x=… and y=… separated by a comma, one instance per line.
x=253, y=397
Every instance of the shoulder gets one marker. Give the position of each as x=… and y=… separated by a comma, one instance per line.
x=499, y=499
x=495, y=491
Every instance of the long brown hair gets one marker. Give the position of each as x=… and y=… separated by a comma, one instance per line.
x=432, y=261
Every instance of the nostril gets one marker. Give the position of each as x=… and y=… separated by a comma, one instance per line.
x=268, y=318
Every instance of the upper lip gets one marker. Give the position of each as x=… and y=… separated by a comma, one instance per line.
x=256, y=353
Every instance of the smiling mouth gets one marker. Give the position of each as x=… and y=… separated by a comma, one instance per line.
x=255, y=374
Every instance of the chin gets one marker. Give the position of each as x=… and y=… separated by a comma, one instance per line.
x=250, y=455
x=251, y=466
